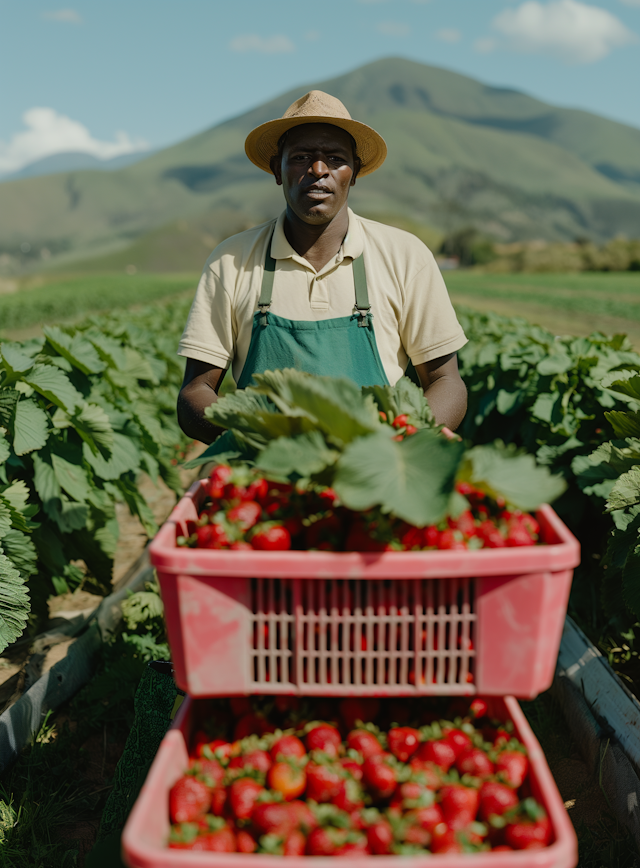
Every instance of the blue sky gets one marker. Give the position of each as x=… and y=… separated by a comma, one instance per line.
x=112, y=76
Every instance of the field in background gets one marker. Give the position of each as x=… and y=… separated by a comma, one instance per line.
x=565, y=304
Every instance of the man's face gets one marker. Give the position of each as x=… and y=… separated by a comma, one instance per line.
x=316, y=170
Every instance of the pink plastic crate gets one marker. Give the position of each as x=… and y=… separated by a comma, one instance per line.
x=147, y=830
x=367, y=624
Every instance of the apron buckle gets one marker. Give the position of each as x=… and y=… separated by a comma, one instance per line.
x=264, y=310
x=364, y=314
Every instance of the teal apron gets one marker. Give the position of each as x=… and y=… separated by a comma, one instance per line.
x=340, y=347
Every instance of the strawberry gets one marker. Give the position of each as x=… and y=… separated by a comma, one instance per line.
x=531, y=830
x=401, y=421
x=430, y=537
x=413, y=833
x=458, y=739
x=380, y=775
x=356, y=708
x=209, y=771
x=245, y=843
x=258, y=490
x=189, y=798
x=352, y=849
x=411, y=429
x=352, y=767
x=380, y=838
x=212, y=536
x=323, y=782
x=325, y=841
x=512, y=767
x=474, y=761
x=478, y=708
x=490, y=535
x=294, y=844
x=273, y=818
x=451, y=539
x=288, y=779
x=255, y=759
x=444, y=840
x=406, y=793
x=243, y=794
x=304, y=816
x=218, y=478
x=241, y=546
x=252, y=724
x=440, y=752
x=245, y=514
x=287, y=746
x=220, y=840
x=364, y=742
x=427, y=773
x=271, y=538
x=465, y=523
x=495, y=799
x=350, y=797
x=518, y=536
x=324, y=738
x=218, y=801
x=459, y=805
x=428, y=817
x=403, y=742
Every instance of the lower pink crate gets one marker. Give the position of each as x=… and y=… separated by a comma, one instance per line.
x=147, y=830
x=487, y=621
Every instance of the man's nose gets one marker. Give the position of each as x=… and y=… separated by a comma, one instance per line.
x=319, y=168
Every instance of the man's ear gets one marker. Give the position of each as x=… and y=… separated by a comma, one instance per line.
x=275, y=164
x=356, y=168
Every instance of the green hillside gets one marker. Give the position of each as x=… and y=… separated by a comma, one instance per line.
x=460, y=153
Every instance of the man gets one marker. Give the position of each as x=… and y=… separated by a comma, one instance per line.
x=320, y=288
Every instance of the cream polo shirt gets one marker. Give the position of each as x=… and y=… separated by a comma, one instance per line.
x=412, y=315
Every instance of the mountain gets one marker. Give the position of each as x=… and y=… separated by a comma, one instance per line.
x=72, y=161
x=460, y=153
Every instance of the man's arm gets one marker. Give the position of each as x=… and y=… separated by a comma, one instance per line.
x=444, y=389
x=199, y=390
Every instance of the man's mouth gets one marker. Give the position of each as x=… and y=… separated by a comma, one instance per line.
x=318, y=192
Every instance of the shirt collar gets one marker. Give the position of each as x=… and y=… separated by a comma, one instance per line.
x=352, y=246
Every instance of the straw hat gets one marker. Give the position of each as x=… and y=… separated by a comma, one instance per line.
x=316, y=107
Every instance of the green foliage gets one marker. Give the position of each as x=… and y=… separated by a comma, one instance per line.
x=326, y=431
x=84, y=410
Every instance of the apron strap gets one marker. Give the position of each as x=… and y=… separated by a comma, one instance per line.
x=266, y=290
x=362, y=306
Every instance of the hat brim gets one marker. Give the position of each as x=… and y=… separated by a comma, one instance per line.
x=262, y=143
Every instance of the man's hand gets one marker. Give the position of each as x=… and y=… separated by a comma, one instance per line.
x=199, y=390
x=444, y=389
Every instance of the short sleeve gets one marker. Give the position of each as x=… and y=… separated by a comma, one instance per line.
x=429, y=327
x=209, y=333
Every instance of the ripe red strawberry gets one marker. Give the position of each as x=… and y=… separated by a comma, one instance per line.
x=209, y=771
x=474, y=761
x=465, y=523
x=401, y=421
x=495, y=799
x=352, y=849
x=287, y=746
x=245, y=514
x=403, y=742
x=440, y=752
x=444, y=840
x=251, y=724
x=216, y=749
x=304, y=816
x=525, y=835
x=273, y=818
x=325, y=738
x=380, y=775
x=323, y=782
x=352, y=767
x=325, y=841
x=221, y=840
x=294, y=844
x=459, y=805
x=451, y=539
x=350, y=796
x=218, y=801
x=288, y=779
x=364, y=742
x=458, y=739
x=427, y=773
x=212, y=536
x=428, y=817
x=380, y=838
x=255, y=759
x=358, y=708
x=245, y=842
x=490, y=535
x=407, y=793
x=512, y=766
x=274, y=538
x=189, y=799
x=258, y=490
x=411, y=429
x=518, y=536
x=413, y=833
x=219, y=477
x=478, y=708
x=243, y=795
x=430, y=537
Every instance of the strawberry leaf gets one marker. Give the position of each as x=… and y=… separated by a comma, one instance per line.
x=14, y=602
x=305, y=455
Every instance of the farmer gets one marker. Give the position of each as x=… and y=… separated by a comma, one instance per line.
x=319, y=288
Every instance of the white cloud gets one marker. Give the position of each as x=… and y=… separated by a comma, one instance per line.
x=48, y=132
x=573, y=31
x=262, y=44
x=485, y=45
x=392, y=28
x=448, y=34
x=68, y=16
